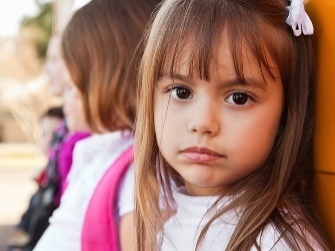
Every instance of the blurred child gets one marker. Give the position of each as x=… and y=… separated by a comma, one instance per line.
x=98, y=44
x=48, y=194
x=226, y=111
x=56, y=70
x=49, y=122
x=61, y=138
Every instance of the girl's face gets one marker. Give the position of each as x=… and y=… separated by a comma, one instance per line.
x=218, y=132
x=48, y=128
x=55, y=66
x=73, y=108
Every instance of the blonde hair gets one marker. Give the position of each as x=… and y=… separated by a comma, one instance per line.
x=98, y=44
x=277, y=193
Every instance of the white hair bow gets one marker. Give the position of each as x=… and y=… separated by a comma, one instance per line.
x=298, y=18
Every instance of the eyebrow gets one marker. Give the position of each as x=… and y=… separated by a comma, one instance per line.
x=252, y=82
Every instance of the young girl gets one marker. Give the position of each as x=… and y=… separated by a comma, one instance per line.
x=27, y=232
x=97, y=47
x=231, y=86
x=50, y=121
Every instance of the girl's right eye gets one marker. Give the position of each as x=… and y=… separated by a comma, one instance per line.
x=179, y=92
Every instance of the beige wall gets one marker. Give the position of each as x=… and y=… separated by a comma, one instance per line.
x=10, y=132
x=18, y=65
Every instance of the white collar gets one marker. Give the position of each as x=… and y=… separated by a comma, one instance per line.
x=195, y=209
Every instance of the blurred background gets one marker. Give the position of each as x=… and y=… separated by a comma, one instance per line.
x=25, y=29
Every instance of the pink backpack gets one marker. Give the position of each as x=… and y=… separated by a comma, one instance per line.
x=100, y=230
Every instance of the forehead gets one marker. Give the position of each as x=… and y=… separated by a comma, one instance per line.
x=224, y=61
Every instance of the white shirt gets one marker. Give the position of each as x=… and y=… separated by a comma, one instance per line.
x=183, y=229
x=91, y=159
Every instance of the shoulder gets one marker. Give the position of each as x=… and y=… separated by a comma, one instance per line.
x=272, y=239
x=82, y=149
x=126, y=193
x=81, y=156
x=71, y=140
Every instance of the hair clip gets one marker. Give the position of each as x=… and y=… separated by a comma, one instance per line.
x=298, y=18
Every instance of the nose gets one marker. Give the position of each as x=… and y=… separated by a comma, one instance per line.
x=205, y=119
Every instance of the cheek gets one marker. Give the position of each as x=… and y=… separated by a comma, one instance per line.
x=160, y=115
x=158, y=118
x=253, y=140
x=165, y=125
x=46, y=140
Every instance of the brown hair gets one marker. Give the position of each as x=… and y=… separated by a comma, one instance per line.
x=277, y=192
x=54, y=112
x=97, y=45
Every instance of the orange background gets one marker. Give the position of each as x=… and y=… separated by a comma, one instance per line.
x=322, y=14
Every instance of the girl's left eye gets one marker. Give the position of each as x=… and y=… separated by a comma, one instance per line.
x=239, y=98
x=180, y=92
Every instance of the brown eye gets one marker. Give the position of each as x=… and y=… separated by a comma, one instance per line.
x=240, y=98
x=181, y=93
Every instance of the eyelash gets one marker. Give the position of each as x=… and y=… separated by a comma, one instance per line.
x=249, y=96
x=170, y=89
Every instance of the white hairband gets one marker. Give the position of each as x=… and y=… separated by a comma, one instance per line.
x=298, y=18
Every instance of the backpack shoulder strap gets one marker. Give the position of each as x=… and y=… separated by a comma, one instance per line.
x=100, y=228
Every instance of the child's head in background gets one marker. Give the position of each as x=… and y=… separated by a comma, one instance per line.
x=49, y=122
x=54, y=66
x=97, y=45
x=232, y=92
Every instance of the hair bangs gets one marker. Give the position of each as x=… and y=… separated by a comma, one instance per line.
x=185, y=34
x=269, y=52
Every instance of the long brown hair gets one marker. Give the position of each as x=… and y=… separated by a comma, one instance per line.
x=277, y=193
x=97, y=45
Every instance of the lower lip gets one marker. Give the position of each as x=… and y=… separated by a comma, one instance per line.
x=201, y=157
